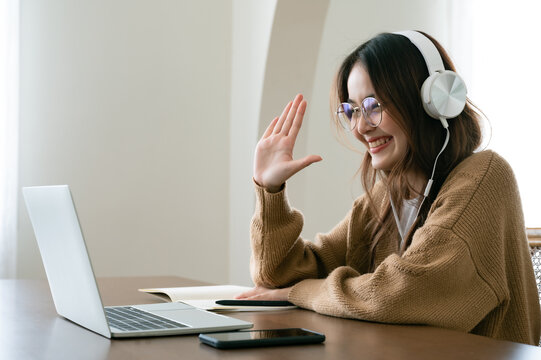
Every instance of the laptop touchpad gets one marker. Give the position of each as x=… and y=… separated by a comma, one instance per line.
x=194, y=317
x=164, y=306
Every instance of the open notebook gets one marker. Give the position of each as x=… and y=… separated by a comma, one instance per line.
x=205, y=297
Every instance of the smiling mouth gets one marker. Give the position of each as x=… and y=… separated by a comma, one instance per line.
x=379, y=142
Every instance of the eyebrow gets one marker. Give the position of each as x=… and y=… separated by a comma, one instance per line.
x=349, y=100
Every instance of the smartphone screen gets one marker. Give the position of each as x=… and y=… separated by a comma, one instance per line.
x=233, y=339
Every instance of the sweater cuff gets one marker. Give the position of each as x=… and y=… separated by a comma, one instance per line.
x=272, y=208
x=304, y=291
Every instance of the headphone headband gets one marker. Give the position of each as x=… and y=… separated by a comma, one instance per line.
x=427, y=48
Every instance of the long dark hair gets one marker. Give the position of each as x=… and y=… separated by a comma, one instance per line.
x=397, y=71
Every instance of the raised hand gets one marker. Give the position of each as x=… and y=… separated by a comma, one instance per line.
x=274, y=163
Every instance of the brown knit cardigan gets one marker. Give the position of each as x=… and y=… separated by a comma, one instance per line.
x=467, y=268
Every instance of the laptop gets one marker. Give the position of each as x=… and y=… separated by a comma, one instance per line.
x=73, y=284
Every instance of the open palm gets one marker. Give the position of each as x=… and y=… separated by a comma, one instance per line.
x=274, y=162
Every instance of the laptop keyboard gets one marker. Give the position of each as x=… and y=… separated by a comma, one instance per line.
x=128, y=318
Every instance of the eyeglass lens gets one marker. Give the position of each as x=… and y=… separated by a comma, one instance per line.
x=370, y=108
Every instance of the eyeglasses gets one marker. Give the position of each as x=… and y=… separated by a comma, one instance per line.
x=370, y=109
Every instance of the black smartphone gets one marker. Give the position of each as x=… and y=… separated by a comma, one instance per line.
x=269, y=337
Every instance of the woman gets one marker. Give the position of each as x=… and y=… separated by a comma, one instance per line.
x=437, y=239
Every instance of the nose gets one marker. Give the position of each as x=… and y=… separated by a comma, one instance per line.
x=362, y=126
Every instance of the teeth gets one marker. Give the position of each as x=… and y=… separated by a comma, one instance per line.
x=379, y=142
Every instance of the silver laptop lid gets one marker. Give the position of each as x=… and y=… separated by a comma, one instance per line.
x=65, y=257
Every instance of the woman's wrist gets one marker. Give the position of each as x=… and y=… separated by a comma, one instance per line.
x=270, y=189
x=273, y=189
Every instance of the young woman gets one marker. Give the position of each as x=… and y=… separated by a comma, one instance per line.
x=437, y=239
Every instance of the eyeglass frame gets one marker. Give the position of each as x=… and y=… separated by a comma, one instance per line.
x=356, y=109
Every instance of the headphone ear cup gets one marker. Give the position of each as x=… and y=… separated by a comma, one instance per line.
x=444, y=95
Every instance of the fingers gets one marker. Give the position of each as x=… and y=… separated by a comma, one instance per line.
x=282, y=117
x=288, y=114
x=255, y=297
x=295, y=125
x=310, y=159
x=252, y=292
x=295, y=117
x=245, y=295
x=272, y=294
x=300, y=164
x=270, y=128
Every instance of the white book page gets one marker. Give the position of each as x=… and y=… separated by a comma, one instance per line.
x=215, y=292
x=204, y=297
x=212, y=306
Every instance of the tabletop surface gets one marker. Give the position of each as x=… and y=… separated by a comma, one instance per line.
x=30, y=329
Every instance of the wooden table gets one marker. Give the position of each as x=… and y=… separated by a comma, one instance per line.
x=30, y=329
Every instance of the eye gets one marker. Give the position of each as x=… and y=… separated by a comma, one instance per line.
x=348, y=110
x=371, y=105
x=346, y=116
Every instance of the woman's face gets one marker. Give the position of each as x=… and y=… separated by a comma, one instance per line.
x=385, y=143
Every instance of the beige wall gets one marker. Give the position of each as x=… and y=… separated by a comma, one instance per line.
x=128, y=103
x=326, y=190
x=252, y=25
x=151, y=111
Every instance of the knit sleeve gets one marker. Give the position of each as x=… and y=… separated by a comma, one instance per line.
x=434, y=283
x=280, y=257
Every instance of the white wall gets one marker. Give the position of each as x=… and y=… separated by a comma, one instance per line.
x=128, y=102
x=275, y=47
x=151, y=111
x=325, y=191
x=252, y=25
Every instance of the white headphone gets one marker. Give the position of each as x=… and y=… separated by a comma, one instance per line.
x=444, y=92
